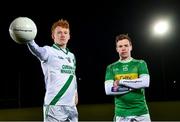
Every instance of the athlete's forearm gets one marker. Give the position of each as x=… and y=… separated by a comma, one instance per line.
x=39, y=52
x=141, y=82
x=110, y=89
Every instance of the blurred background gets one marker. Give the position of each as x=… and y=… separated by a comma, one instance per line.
x=153, y=26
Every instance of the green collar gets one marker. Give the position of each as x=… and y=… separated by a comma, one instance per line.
x=56, y=46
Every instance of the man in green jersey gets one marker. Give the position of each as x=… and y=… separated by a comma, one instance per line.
x=126, y=80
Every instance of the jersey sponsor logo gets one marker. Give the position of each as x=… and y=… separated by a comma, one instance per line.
x=128, y=81
x=129, y=76
x=119, y=89
x=68, y=69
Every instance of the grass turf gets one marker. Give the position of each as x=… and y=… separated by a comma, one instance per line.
x=159, y=111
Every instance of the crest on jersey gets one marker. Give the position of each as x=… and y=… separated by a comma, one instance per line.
x=69, y=60
x=125, y=67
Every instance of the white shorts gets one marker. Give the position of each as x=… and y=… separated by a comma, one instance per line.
x=61, y=113
x=141, y=118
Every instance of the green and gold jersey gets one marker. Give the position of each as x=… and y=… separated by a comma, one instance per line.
x=132, y=103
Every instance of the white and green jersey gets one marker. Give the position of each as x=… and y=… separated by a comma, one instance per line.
x=133, y=75
x=58, y=67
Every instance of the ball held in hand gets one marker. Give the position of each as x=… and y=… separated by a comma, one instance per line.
x=22, y=30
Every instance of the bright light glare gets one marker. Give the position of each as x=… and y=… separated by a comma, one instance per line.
x=161, y=27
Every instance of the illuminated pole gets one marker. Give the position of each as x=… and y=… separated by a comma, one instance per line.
x=160, y=29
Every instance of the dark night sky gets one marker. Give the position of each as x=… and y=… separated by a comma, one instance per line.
x=93, y=31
